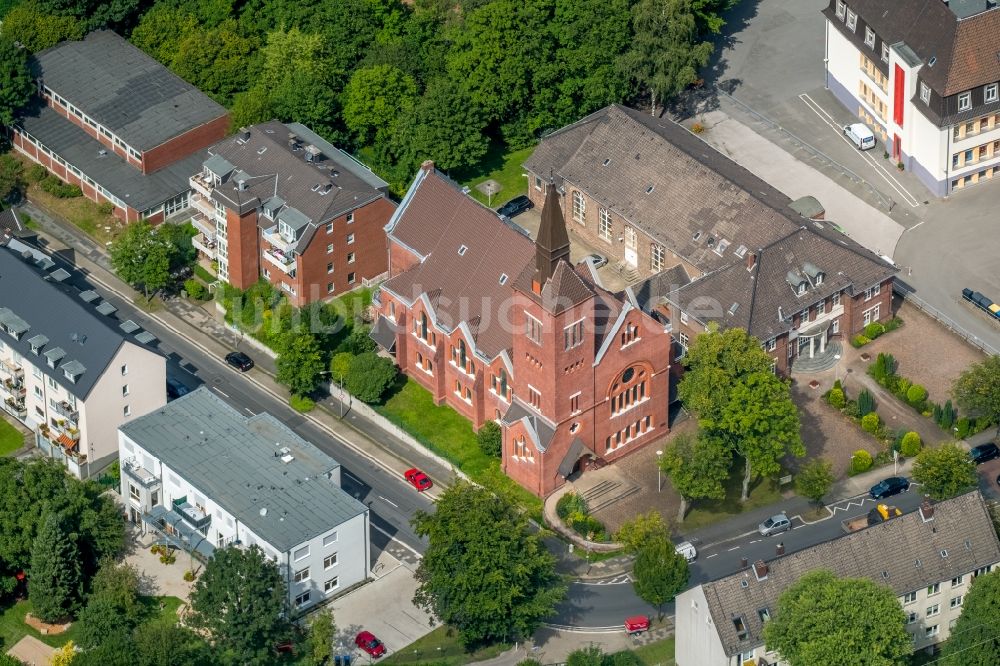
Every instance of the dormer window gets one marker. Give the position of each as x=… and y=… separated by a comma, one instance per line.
x=37, y=342
x=841, y=9
x=990, y=93
x=869, y=38
x=802, y=288
x=286, y=232
x=819, y=279
x=965, y=101
x=885, y=52
x=852, y=20
x=925, y=93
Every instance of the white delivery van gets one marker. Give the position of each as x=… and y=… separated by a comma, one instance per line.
x=860, y=135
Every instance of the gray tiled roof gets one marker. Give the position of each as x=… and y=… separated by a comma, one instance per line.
x=235, y=460
x=761, y=294
x=124, y=89
x=905, y=553
x=11, y=222
x=653, y=292
x=699, y=197
x=138, y=190
x=536, y=423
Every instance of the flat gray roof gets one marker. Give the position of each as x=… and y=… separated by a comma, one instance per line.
x=124, y=89
x=236, y=461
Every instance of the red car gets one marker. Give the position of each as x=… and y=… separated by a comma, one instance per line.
x=418, y=479
x=366, y=641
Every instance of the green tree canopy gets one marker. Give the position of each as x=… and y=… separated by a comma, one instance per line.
x=447, y=128
x=977, y=390
x=141, y=256
x=54, y=583
x=35, y=30
x=660, y=573
x=944, y=471
x=240, y=598
x=322, y=631
x=114, y=608
x=16, y=84
x=370, y=376
x=300, y=362
x=490, y=438
x=375, y=99
x=809, y=625
x=973, y=640
x=11, y=176
x=698, y=467
x=642, y=529
x=94, y=14
x=814, y=479
x=484, y=572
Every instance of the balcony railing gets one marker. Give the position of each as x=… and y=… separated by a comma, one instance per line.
x=272, y=236
x=195, y=516
x=14, y=387
x=206, y=245
x=202, y=186
x=135, y=471
x=11, y=369
x=808, y=327
x=204, y=220
x=16, y=407
x=67, y=411
x=283, y=261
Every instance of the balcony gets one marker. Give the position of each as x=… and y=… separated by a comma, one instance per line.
x=206, y=245
x=272, y=236
x=284, y=262
x=821, y=321
x=204, y=221
x=202, y=186
x=193, y=515
x=138, y=473
x=172, y=526
x=14, y=387
x=11, y=369
x=67, y=411
x=16, y=407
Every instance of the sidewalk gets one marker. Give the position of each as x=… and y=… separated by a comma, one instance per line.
x=358, y=430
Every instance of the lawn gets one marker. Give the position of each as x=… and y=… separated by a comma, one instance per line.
x=441, y=647
x=505, y=168
x=762, y=493
x=660, y=653
x=81, y=211
x=449, y=434
x=11, y=439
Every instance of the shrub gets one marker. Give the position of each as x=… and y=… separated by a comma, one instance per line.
x=590, y=528
x=893, y=324
x=189, y=576
x=836, y=398
x=916, y=395
x=195, y=289
x=866, y=403
x=859, y=340
x=105, y=208
x=370, y=376
x=697, y=128
x=302, y=403
x=571, y=503
x=490, y=438
x=883, y=367
x=36, y=173
x=870, y=423
x=861, y=461
x=838, y=385
x=873, y=330
x=964, y=426
x=910, y=445
x=59, y=189
x=852, y=410
x=903, y=385
x=947, y=416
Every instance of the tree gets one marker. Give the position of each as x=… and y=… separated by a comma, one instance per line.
x=16, y=83
x=814, y=479
x=340, y=366
x=218, y=60
x=642, y=529
x=973, y=640
x=485, y=572
x=11, y=176
x=113, y=608
x=65, y=655
x=977, y=390
x=36, y=30
x=142, y=257
x=945, y=471
x=240, y=598
x=592, y=655
x=809, y=625
x=161, y=30
x=166, y=643
x=374, y=100
x=697, y=467
x=660, y=573
x=300, y=362
x=320, y=639
x=447, y=128
x=370, y=375
x=665, y=54
x=490, y=438
x=358, y=341
x=54, y=580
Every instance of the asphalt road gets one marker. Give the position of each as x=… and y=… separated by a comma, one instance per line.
x=604, y=604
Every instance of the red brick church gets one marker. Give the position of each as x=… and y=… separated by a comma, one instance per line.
x=504, y=328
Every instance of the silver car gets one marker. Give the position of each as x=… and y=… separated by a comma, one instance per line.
x=775, y=525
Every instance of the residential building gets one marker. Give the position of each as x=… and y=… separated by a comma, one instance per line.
x=279, y=201
x=203, y=475
x=500, y=327
x=705, y=240
x=12, y=224
x=924, y=75
x=928, y=558
x=68, y=370
x=118, y=124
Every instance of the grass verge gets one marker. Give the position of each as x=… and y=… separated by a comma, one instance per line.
x=762, y=493
x=503, y=167
x=449, y=434
x=441, y=647
x=81, y=211
x=11, y=439
x=660, y=653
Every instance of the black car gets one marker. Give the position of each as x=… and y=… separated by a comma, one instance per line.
x=515, y=206
x=984, y=452
x=175, y=389
x=889, y=487
x=239, y=360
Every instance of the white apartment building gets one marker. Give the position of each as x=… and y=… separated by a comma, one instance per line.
x=69, y=370
x=928, y=558
x=202, y=476
x=924, y=75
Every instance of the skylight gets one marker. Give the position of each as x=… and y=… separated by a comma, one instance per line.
x=462, y=250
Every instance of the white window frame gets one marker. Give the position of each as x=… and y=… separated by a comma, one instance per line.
x=771, y=344
x=885, y=52
x=965, y=101
x=302, y=599
x=301, y=553
x=330, y=561
x=579, y=207
x=931, y=631
x=605, y=226
x=991, y=93
x=301, y=576
x=956, y=601
x=328, y=587
x=852, y=21
x=932, y=610
x=657, y=253
x=869, y=38
x=909, y=598
x=841, y=9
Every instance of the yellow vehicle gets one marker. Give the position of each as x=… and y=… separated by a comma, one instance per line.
x=879, y=514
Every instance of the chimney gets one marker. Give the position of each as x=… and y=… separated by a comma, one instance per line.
x=245, y=134
x=744, y=563
x=760, y=570
x=926, y=510
x=751, y=260
x=779, y=550
x=427, y=165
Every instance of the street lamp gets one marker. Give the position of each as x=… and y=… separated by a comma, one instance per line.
x=836, y=357
x=659, y=476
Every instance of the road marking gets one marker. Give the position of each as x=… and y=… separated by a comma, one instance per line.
x=219, y=391
x=815, y=107
x=249, y=411
x=584, y=630
x=756, y=540
x=388, y=501
x=732, y=549
x=797, y=527
x=711, y=556
x=353, y=478
x=392, y=538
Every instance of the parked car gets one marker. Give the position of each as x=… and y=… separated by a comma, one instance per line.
x=176, y=389
x=636, y=624
x=599, y=260
x=687, y=551
x=775, y=525
x=366, y=641
x=860, y=135
x=984, y=452
x=889, y=487
x=515, y=206
x=239, y=360
x=418, y=479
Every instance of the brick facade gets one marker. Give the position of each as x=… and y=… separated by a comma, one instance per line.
x=183, y=145
x=242, y=248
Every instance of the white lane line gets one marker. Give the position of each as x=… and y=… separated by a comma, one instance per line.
x=711, y=556
x=387, y=501
x=732, y=549
x=392, y=538
x=797, y=527
x=353, y=478
x=815, y=107
x=219, y=391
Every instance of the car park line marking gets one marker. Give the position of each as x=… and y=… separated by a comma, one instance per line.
x=219, y=391
x=708, y=557
x=392, y=538
x=388, y=501
x=797, y=527
x=815, y=107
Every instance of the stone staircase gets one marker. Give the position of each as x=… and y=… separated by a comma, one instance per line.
x=628, y=273
x=606, y=493
x=806, y=365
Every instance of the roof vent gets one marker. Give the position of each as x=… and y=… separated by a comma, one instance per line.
x=744, y=584
x=313, y=154
x=326, y=189
x=244, y=134
x=262, y=150
x=241, y=184
x=503, y=279
x=315, y=188
x=649, y=189
x=287, y=458
x=733, y=308
x=932, y=61
x=711, y=241
x=697, y=235
x=102, y=152
x=263, y=511
x=944, y=552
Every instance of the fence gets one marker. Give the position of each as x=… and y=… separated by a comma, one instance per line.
x=943, y=319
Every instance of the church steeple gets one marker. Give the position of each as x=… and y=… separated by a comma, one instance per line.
x=552, y=243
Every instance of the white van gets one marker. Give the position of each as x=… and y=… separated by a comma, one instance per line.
x=860, y=135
